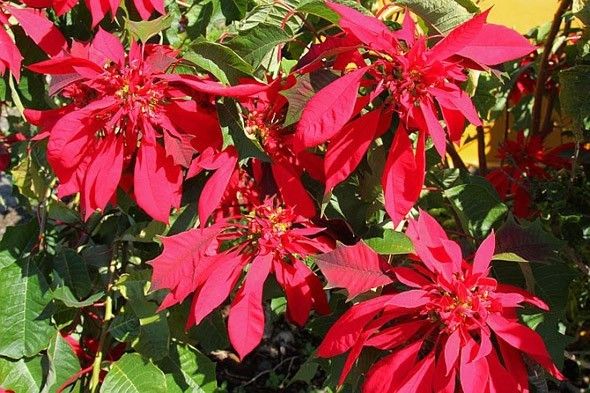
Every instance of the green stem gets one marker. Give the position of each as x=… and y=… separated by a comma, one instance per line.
x=108, y=316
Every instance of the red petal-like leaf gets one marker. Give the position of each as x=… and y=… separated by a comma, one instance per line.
x=403, y=175
x=483, y=255
x=40, y=29
x=368, y=29
x=329, y=110
x=459, y=38
x=356, y=268
x=224, y=165
x=496, y=44
x=246, y=316
x=348, y=149
x=157, y=181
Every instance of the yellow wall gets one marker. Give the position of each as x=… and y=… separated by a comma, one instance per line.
x=521, y=15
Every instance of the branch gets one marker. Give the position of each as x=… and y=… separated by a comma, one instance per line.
x=481, y=151
x=543, y=71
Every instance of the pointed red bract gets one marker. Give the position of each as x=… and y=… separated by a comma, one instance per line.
x=329, y=110
x=456, y=324
x=356, y=268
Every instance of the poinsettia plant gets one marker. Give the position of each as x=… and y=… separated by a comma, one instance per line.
x=284, y=196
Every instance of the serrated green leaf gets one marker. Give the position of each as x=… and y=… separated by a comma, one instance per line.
x=318, y=8
x=255, y=44
x=22, y=376
x=222, y=62
x=17, y=242
x=391, y=243
x=24, y=293
x=132, y=374
x=27, y=176
x=441, y=15
x=63, y=363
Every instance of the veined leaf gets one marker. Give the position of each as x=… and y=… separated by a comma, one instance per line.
x=132, y=374
x=441, y=15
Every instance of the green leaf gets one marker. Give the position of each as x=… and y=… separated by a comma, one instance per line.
x=24, y=293
x=65, y=295
x=528, y=241
x=232, y=127
x=29, y=179
x=146, y=29
x=581, y=8
x=233, y=9
x=132, y=374
x=70, y=270
x=318, y=8
x=306, y=372
x=478, y=206
x=59, y=211
x=509, y=257
x=17, y=242
x=222, y=62
x=441, y=15
x=192, y=370
x=125, y=327
x=391, y=243
x=22, y=376
x=154, y=335
x=255, y=44
x=63, y=362
x=573, y=104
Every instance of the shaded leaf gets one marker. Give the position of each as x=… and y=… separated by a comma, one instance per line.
x=391, y=243
x=256, y=43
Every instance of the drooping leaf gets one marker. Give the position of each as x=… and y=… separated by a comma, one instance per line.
x=356, y=268
x=225, y=64
x=132, y=374
x=25, y=295
x=71, y=271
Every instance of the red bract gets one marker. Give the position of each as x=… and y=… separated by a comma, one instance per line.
x=268, y=239
x=522, y=161
x=124, y=120
x=100, y=8
x=454, y=329
x=5, y=144
x=36, y=26
x=422, y=85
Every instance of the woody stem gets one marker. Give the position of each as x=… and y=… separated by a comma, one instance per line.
x=543, y=66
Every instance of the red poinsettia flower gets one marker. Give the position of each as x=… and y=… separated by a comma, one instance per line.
x=36, y=26
x=523, y=160
x=125, y=120
x=454, y=329
x=100, y=8
x=268, y=239
x=422, y=85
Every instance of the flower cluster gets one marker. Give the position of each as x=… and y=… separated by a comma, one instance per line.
x=455, y=328
x=270, y=238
